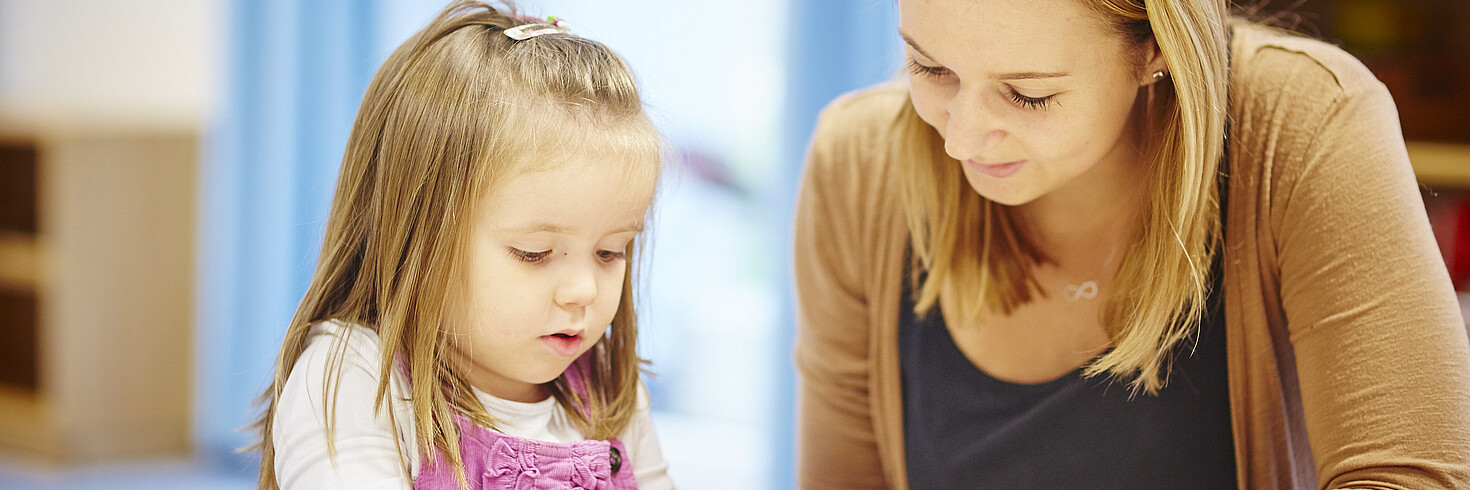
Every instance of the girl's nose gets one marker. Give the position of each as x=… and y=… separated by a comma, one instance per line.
x=578, y=287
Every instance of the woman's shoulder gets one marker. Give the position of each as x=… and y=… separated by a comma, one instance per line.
x=869, y=106
x=861, y=119
x=1296, y=102
x=853, y=141
x=1270, y=64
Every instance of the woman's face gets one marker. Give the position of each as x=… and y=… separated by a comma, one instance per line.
x=1029, y=95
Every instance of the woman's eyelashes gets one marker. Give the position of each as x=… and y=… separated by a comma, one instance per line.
x=926, y=70
x=1038, y=103
x=1023, y=101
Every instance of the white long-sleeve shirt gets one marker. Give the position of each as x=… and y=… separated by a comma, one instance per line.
x=367, y=444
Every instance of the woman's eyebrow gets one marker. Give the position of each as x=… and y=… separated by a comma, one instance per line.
x=1023, y=75
x=1030, y=75
x=910, y=41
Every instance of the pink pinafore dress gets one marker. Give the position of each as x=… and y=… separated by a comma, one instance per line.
x=496, y=461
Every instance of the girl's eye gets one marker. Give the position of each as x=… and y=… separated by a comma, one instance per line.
x=1038, y=103
x=529, y=257
x=610, y=256
x=927, y=71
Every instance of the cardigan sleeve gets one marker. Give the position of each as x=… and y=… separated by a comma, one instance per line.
x=836, y=443
x=1380, y=346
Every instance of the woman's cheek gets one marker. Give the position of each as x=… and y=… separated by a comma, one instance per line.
x=928, y=103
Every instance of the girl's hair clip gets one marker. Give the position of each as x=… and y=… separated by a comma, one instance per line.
x=552, y=25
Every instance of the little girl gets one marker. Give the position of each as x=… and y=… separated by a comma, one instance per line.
x=470, y=323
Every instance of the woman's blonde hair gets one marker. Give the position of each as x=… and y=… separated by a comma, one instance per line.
x=965, y=246
x=455, y=110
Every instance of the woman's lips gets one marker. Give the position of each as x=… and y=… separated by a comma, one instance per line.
x=562, y=344
x=997, y=170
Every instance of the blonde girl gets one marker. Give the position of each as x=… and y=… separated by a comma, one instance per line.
x=1121, y=244
x=470, y=323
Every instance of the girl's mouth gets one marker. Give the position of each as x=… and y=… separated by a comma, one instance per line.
x=563, y=344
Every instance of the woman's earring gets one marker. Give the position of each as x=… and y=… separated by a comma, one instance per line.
x=1148, y=107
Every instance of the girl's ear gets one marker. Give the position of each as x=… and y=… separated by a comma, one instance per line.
x=1154, y=68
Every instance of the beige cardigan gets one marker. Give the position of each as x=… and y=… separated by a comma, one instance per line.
x=1348, y=360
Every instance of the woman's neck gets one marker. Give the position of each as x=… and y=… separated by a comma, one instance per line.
x=1091, y=220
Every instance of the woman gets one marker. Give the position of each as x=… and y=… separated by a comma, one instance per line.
x=1089, y=244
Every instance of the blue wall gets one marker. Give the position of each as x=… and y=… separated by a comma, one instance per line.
x=296, y=72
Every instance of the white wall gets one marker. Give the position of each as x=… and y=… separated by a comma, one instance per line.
x=132, y=63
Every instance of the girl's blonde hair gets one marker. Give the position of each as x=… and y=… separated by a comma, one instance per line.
x=965, y=246
x=454, y=111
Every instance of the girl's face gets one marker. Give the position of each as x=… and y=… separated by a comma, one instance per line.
x=1028, y=94
x=545, y=270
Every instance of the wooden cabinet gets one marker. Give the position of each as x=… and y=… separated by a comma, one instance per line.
x=1443, y=166
x=96, y=291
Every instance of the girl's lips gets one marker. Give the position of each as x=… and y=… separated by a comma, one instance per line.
x=997, y=170
x=562, y=344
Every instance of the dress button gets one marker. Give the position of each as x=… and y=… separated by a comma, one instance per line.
x=616, y=458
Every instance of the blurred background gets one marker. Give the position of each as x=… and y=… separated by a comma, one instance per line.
x=166, y=168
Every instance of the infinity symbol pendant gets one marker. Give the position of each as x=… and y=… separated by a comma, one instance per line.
x=1086, y=290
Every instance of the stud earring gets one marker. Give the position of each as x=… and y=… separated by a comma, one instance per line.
x=1158, y=74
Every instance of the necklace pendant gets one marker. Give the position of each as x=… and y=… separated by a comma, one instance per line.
x=1086, y=290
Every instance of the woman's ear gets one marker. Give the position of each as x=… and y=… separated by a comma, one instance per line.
x=1154, y=68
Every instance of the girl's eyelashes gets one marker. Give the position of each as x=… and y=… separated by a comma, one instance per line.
x=528, y=257
x=538, y=257
x=1038, y=103
x=611, y=256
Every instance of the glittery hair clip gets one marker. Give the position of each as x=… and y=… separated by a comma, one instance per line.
x=552, y=25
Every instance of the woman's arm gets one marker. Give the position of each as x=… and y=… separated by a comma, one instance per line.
x=1381, y=350
x=836, y=445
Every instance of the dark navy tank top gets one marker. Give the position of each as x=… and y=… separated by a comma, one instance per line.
x=964, y=429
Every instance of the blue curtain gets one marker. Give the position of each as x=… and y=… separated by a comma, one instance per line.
x=834, y=47
x=296, y=72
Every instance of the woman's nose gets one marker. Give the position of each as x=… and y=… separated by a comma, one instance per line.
x=972, y=131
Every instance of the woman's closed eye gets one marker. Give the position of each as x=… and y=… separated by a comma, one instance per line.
x=528, y=257
x=1039, y=103
x=927, y=71
x=1020, y=100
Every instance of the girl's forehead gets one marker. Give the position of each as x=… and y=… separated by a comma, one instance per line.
x=576, y=194
x=623, y=153
x=557, y=134
x=620, y=157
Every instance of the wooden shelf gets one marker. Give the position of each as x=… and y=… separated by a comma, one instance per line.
x=1440, y=164
x=97, y=236
x=20, y=261
x=26, y=426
